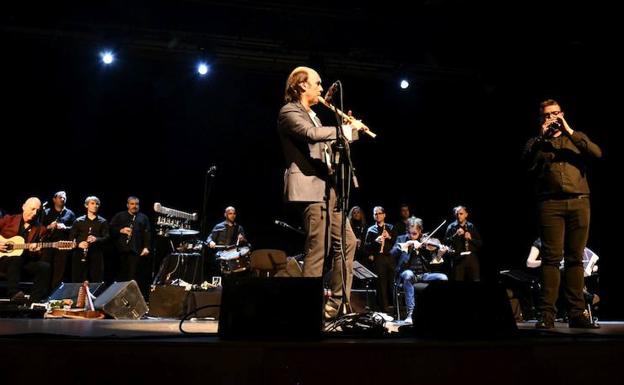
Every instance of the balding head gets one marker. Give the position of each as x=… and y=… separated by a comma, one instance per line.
x=230, y=214
x=299, y=81
x=30, y=208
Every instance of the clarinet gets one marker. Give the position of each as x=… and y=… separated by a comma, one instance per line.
x=466, y=243
x=85, y=251
x=383, y=240
x=131, y=229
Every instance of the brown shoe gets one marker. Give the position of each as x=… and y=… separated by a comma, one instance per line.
x=546, y=322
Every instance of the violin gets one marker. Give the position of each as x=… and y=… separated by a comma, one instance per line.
x=430, y=244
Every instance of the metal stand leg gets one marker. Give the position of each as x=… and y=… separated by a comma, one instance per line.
x=396, y=301
x=589, y=313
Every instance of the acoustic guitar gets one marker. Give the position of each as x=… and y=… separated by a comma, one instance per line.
x=16, y=246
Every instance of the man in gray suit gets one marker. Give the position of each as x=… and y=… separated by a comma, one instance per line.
x=307, y=182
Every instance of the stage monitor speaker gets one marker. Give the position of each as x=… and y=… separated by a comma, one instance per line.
x=463, y=310
x=280, y=307
x=122, y=300
x=208, y=302
x=70, y=290
x=167, y=301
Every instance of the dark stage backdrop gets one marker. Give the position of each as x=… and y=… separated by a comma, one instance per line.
x=148, y=126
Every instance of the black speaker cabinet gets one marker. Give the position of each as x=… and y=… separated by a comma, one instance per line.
x=271, y=308
x=208, y=302
x=70, y=290
x=122, y=300
x=463, y=310
x=167, y=301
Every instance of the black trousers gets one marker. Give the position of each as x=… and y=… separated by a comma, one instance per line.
x=58, y=262
x=40, y=271
x=564, y=229
x=135, y=267
x=466, y=269
x=384, y=267
x=91, y=269
x=129, y=262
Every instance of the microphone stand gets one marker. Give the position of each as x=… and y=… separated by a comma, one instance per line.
x=344, y=173
x=204, y=223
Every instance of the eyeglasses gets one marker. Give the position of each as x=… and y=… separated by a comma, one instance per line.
x=554, y=113
x=379, y=214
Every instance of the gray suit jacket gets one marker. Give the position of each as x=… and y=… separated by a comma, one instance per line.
x=304, y=145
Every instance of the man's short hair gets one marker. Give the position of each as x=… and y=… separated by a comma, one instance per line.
x=414, y=222
x=548, y=102
x=92, y=198
x=59, y=193
x=132, y=198
x=457, y=208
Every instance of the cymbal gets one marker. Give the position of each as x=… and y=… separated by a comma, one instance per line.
x=182, y=232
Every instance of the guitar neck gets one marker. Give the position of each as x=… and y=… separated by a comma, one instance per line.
x=43, y=245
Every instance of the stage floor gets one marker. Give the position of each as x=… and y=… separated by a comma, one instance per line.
x=169, y=328
x=155, y=351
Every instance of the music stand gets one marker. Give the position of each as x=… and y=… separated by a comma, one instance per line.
x=361, y=272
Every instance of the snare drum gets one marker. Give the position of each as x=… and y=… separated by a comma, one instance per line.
x=234, y=260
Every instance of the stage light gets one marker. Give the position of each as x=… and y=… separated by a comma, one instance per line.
x=404, y=84
x=107, y=57
x=202, y=69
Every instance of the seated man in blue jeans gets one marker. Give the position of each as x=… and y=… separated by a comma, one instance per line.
x=417, y=257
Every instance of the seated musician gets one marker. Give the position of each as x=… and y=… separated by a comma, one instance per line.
x=227, y=234
x=26, y=226
x=415, y=254
x=590, y=268
x=589, y=259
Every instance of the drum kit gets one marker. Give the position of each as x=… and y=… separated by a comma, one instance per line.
x=176, y=225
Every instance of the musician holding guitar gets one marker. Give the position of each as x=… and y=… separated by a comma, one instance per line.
x=18, y=230
x=418, y=258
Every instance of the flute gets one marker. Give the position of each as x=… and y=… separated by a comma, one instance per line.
x=348, y=118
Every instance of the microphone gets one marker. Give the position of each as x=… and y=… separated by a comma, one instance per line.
x=330, y=92
x=286, y=225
